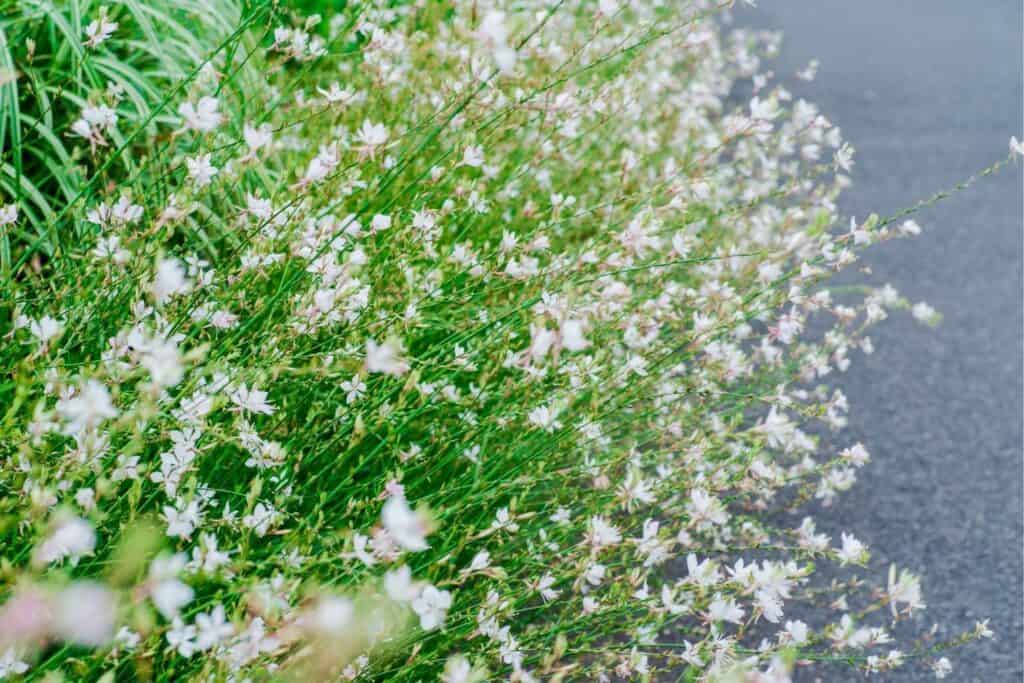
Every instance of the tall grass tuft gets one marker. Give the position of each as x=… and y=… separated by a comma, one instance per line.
x=54, y=74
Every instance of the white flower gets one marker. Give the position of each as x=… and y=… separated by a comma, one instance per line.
x=982, y=630
x=853, y=551
x=85, y=614
x=503, y=520
x=360, y=545
x=843, y=158
x=181, y=523
x=856, y=454
x=602, y=534
x=906, y=589
x=163, y=361
x=207, y=557
x=545, y=417
x=572, y=336
x=86, y=498
x=91, y=132
x=1016, y=147
x=98, y=31
x=223, y=320
x=181, y=638
x=910, y=228
x=385, y=358
x=87, y=408
x=942, y=668
x=123, y=212
x=10, y=663
x=769, y=604
x=654, y=550
x=251, y=644
x=399, y=586
x=335, y=95
x=200, y=170
x=169, y=281
x=8, y=215
x=796, y=631
x=480, y=561
x=473, y=156
x=595, y=574
x=73, y=537
x=472, y=454
x=457, y=669
x=127, y=638
x=702, y=573
x=763, y=110
x=214, y=628
x=257, y=138
x=46, y=329
x=371, y=135
x=561, y=516
x=925, y=313
x=354, y=389
x=407, y=527
x=203, y=116
x=669, y=601
x=808, y=538
x=493, y=34
x=545, y=586
x=706, y=509
x=724, y=609
x=251, y=400
x=263, y=517
x=432, y=606
x=109, y=247
x=167, y=592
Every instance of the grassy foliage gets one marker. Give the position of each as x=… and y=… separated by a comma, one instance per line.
x=49, y=75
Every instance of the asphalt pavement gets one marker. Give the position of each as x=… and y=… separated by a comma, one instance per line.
x=929, y=92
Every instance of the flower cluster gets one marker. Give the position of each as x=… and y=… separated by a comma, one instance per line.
x=480, y=340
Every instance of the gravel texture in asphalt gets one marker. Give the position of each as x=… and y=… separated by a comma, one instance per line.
x=929, y=92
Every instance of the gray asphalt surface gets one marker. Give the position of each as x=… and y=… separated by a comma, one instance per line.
x=929, y=92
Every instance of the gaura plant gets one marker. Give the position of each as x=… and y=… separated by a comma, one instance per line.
x=418, y=341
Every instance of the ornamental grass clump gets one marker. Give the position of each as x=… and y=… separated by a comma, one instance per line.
x=80, y=79
x=470, y=341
